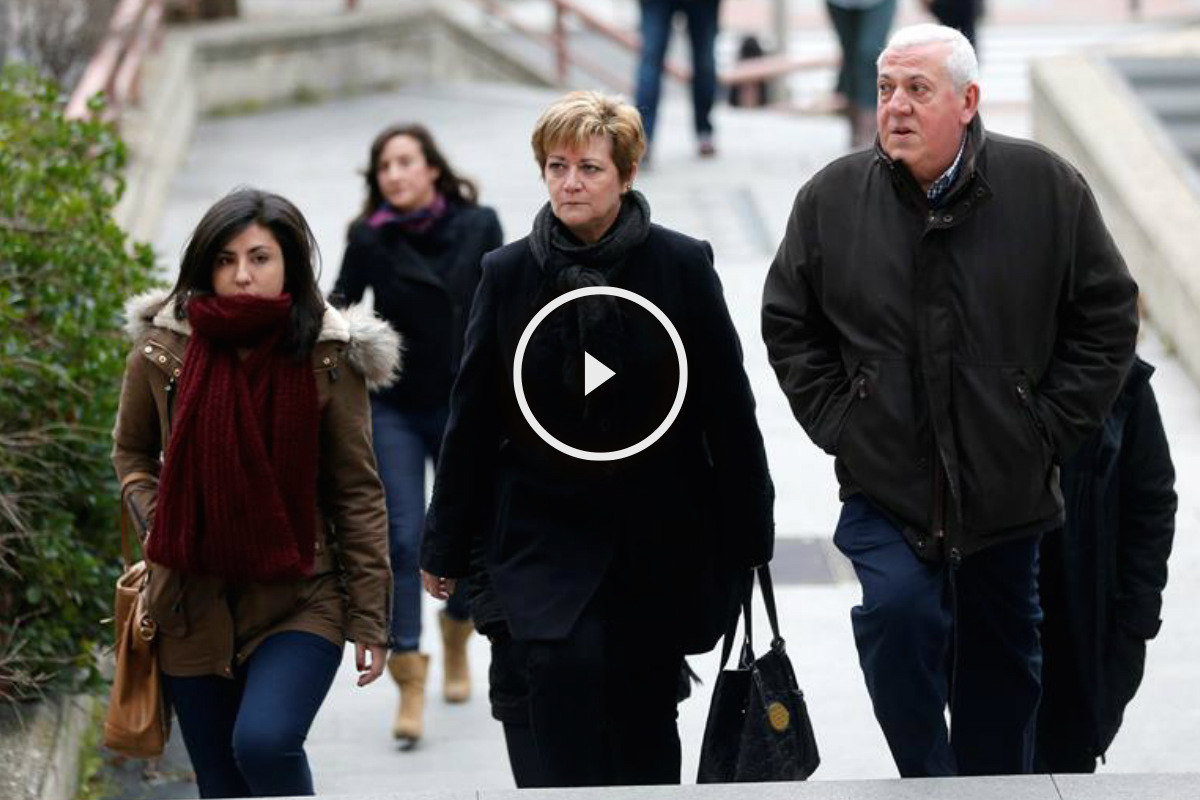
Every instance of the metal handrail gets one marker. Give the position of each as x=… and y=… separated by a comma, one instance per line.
x=134, y=30
x=743, y=73
x=558, y=41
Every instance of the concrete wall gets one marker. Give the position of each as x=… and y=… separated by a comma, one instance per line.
x=1085, y=111
x=246, y=65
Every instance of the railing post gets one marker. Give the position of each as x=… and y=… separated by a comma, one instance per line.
x=779, y=91
x=561, y=58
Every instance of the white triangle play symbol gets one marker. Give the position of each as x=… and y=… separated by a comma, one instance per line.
x=594, y=373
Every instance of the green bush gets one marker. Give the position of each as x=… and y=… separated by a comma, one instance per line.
x=65, y=270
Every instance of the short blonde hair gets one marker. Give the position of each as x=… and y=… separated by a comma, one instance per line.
x=576, y=117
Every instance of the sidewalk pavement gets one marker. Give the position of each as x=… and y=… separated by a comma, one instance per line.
x=739, y=202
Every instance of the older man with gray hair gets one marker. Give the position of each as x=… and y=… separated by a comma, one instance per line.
x=949, y=318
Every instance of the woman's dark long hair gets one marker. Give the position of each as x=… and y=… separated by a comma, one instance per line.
x=449, y=184
x=227, y=218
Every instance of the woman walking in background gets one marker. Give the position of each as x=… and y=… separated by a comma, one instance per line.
x=417, y=244
x=243, y=447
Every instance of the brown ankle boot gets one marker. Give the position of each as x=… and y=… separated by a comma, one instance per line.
x=408, y=671
x=457, y=688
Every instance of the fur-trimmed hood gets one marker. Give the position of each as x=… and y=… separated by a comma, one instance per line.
x=373, y=347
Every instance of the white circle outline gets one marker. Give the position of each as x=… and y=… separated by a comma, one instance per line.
x=599, y=455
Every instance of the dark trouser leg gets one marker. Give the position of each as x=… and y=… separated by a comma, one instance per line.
x=656, y=35
x=994, y=704
x=903, y=631
x=702, y=21
x=567, y=706
x=287, y=679
x=602, y=704
x=508, y=690
x=523, y=756
x=643, y=685
x=1066, y=728
x=206, y=709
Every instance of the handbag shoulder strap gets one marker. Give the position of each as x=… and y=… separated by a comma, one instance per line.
x=744, y=614
x=768, y=593
x=126, y=547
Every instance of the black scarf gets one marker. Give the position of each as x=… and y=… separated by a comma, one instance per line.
x=568, y=264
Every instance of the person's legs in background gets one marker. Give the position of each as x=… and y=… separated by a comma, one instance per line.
x=845, y=25
x=454, y=620
x=286, y=681
x=703, y=20
x=874, y=25
x=400, y=453
x=994, y=703
x=903, y=631
x=656, y=19
x=960, y=14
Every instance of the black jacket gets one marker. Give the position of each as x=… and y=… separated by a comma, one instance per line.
x=1103, y=574
x=989, y=336
x=423, y=285
x=691, y=510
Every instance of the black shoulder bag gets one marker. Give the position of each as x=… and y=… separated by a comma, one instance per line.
x=758, y=725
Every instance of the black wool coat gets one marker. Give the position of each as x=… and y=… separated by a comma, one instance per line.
x=675, y=523
x=1103, y=574
x=423, y=285
x=951, y=357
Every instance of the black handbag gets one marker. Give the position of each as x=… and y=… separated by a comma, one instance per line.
x=758, y=725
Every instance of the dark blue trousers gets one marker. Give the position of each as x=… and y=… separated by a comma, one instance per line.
x=932, y=637
x=246, y=736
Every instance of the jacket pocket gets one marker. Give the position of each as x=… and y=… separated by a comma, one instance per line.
x=1004, y=458
x=878, y=446
x=860, y=390
x=165, y=601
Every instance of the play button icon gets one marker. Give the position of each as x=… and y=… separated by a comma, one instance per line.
x=594, y=373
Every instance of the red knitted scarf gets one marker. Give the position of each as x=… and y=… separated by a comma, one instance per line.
x=239, y=479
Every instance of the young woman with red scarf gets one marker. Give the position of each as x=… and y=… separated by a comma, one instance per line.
x=243, y=446
x=417, y=244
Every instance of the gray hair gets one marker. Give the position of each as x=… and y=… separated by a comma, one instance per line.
x=961, y=63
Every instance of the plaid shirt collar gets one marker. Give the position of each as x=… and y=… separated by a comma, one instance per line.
x=938, y=188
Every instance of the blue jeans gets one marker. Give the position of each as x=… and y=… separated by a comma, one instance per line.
x=245, y=736
x=657, y=18
x=930, y=636
x=863, y=34
x=403, y=440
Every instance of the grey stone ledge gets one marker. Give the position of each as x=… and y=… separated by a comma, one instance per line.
x=1183, y=786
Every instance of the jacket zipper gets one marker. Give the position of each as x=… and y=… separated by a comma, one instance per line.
x=166, y=349
x=939, y=500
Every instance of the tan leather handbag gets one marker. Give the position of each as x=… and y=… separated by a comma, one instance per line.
x=138, y=721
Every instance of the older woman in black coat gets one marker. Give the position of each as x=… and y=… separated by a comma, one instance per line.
x=607, y=571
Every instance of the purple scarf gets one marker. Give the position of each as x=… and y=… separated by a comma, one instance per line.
x=420, y=221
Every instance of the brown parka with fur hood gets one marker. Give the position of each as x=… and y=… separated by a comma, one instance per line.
x=208, y=626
